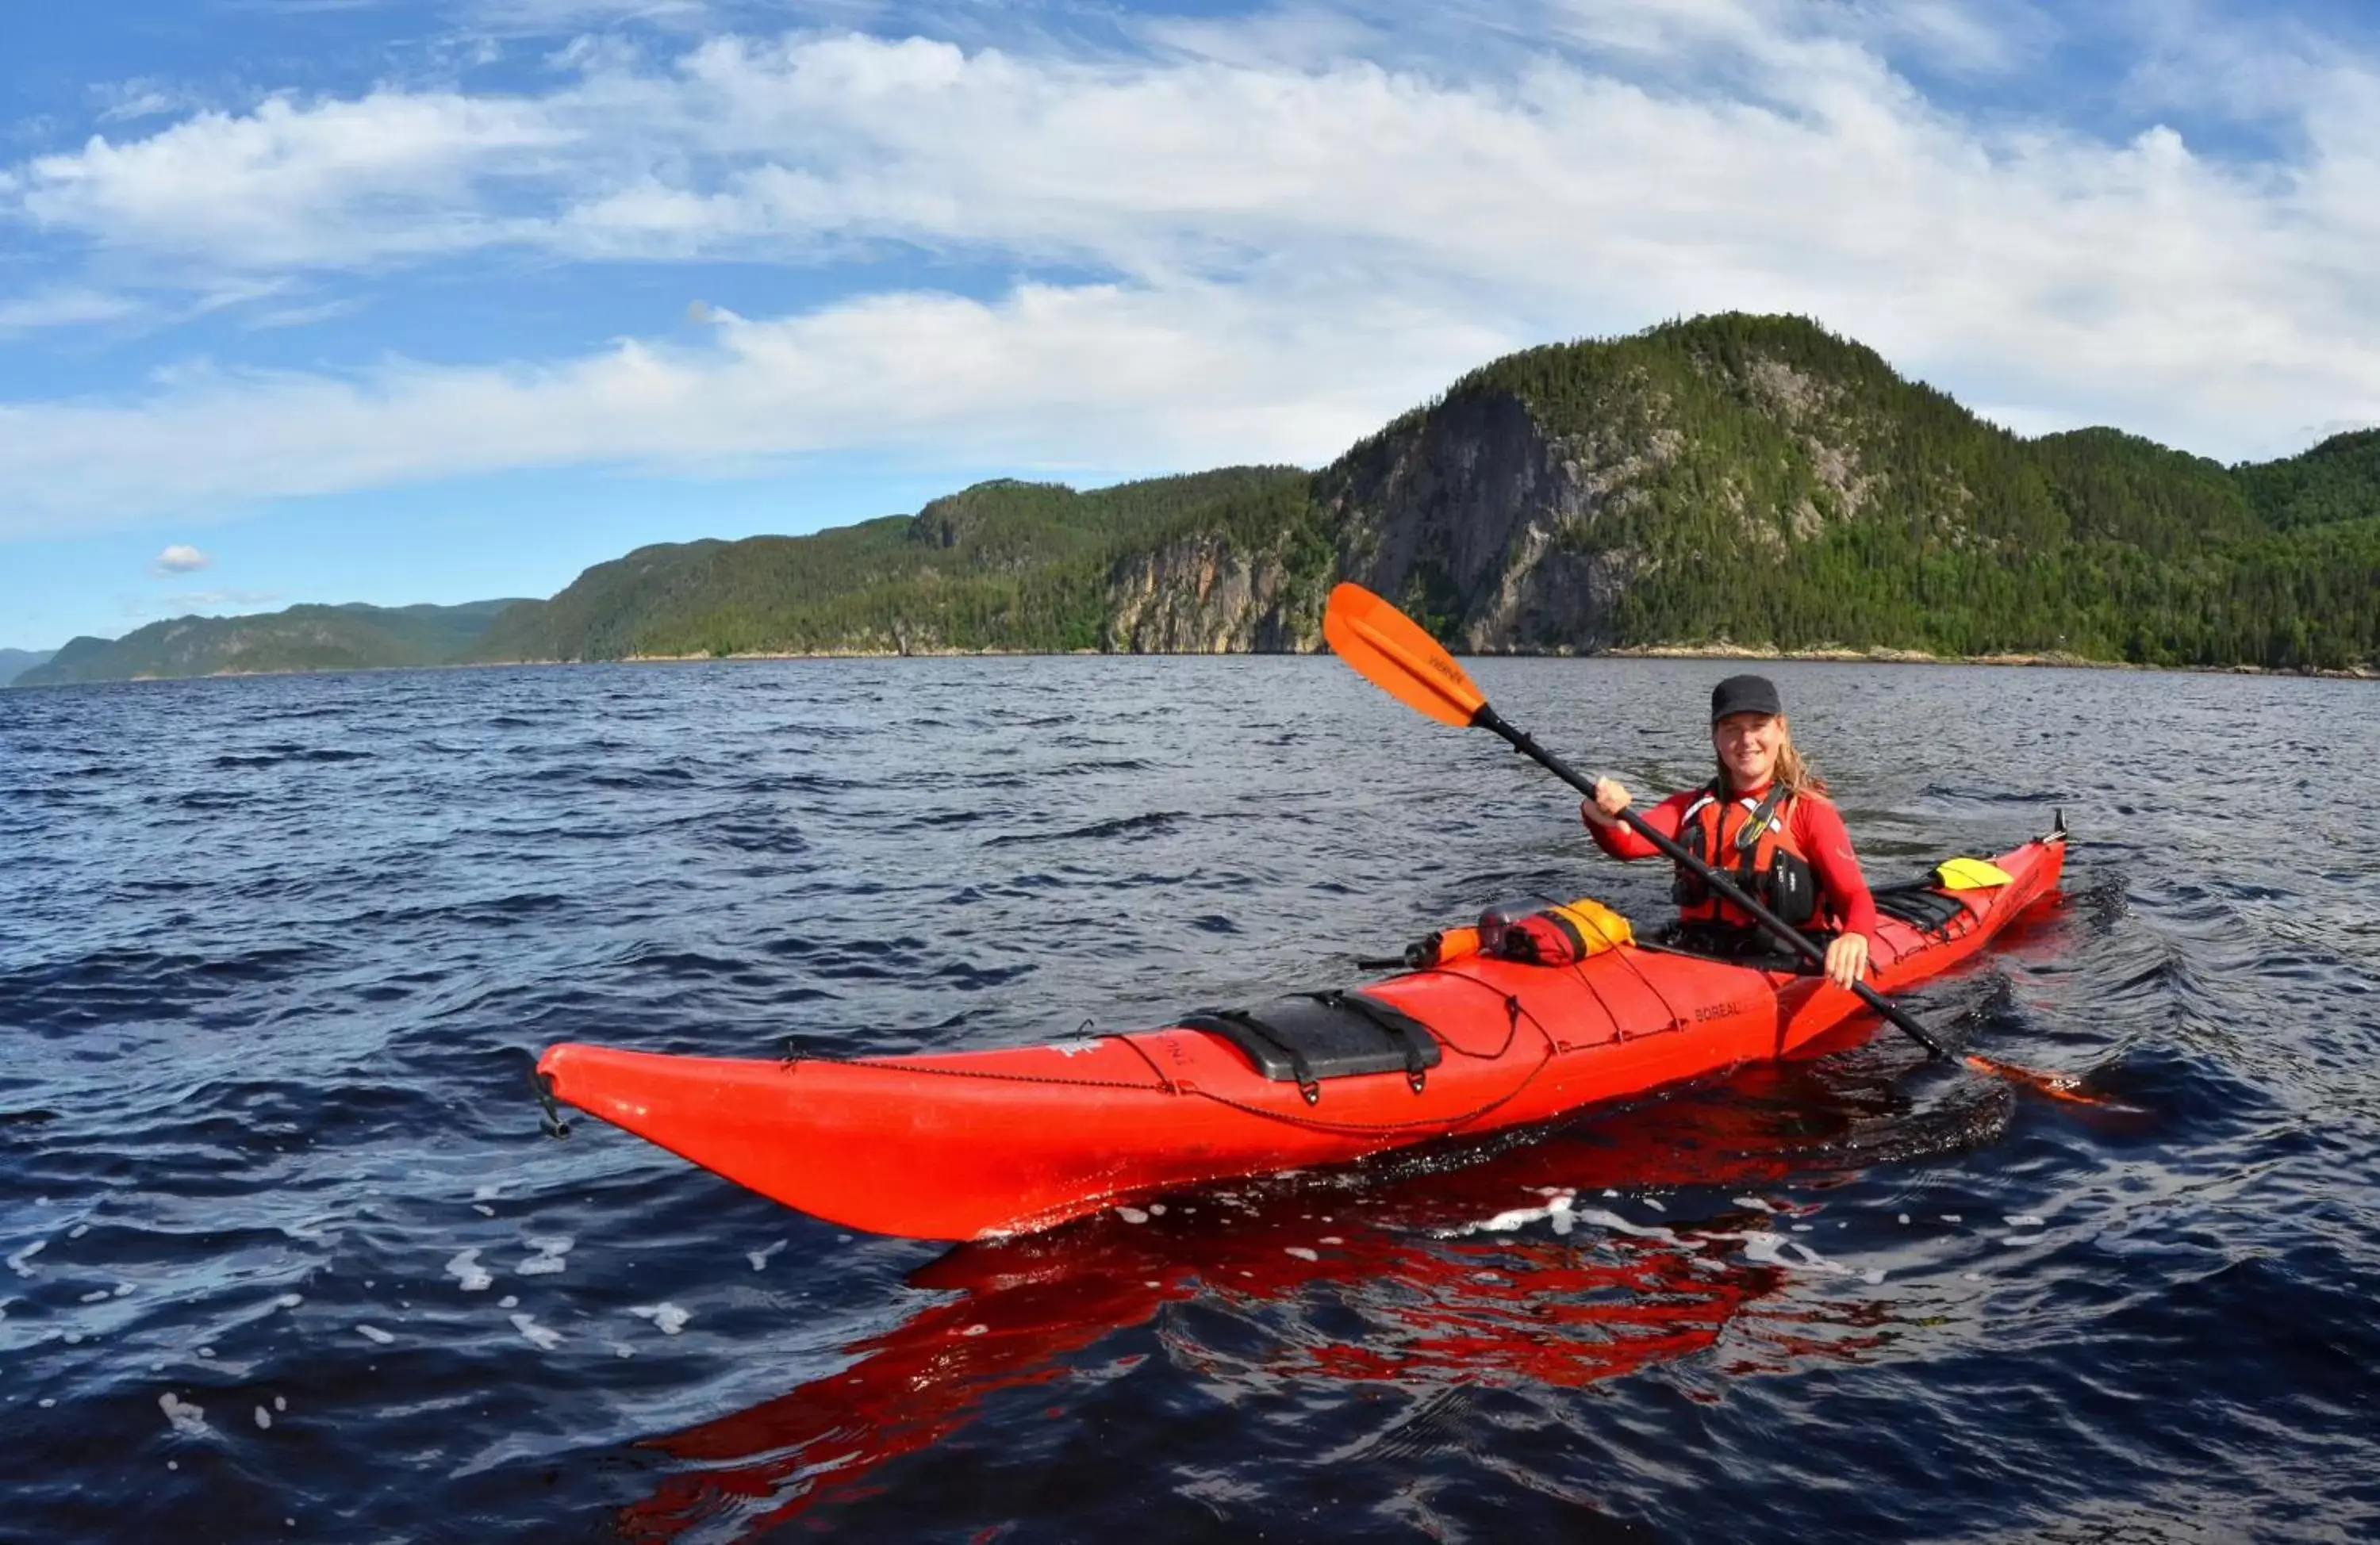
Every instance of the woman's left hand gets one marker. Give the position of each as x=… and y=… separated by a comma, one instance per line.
x=1846, y=959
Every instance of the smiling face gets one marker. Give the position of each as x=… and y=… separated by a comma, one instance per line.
x=1747, y=746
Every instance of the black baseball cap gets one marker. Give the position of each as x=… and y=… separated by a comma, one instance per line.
x=1744, y=695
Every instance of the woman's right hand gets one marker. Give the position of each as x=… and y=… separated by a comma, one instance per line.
x=1603, y=810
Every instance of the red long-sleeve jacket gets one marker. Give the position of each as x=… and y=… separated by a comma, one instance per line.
x=1817, y=830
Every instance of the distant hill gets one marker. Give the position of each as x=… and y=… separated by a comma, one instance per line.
x=352, y=637
x=15, y=662
x=1002, y=565
x=1731, y=479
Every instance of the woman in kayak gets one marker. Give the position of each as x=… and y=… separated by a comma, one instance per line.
x=1767, y=823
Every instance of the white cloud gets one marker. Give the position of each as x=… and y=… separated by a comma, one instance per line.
x=66, y=306
x=180, y=558
x=1296, y=243
x=386, y=175
x=130, y=100
x=1102, y=375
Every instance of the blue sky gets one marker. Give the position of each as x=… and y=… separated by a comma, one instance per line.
x=403, y=300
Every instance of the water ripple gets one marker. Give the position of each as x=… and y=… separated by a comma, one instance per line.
x=284, y=1253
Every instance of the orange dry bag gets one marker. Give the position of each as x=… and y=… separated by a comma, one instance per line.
x=1552, y=933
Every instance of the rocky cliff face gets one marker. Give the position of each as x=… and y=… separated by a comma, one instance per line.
x=1470, y=515
x=1475, y=517
x=1207, y=595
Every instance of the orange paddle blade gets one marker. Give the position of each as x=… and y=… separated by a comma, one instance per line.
x=1390, y=650
x=2056, y=1086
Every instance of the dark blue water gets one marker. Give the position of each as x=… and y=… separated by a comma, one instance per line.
x=286, y=1255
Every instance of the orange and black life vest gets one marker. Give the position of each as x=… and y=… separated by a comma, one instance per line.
x=1755, y=849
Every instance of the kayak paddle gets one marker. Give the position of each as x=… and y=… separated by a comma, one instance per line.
x=1390, y=650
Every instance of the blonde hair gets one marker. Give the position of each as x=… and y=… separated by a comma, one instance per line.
x=1793, y=771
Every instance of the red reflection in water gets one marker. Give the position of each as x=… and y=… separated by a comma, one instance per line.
x=1440, y=1299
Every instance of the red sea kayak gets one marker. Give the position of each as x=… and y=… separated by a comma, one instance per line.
x=969, y=1144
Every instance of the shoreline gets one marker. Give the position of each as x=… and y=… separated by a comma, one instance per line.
x=2050, y=660
x=1877, y=655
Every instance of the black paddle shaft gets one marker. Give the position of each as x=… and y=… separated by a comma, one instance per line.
x=1487, y=718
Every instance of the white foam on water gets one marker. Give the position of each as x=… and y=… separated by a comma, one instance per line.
x=668, y=1316
x=985, y=1330
x=264, y=1419
x=543, y=1337
x=17, y=1263
x=2022, y=1240
x=1755, y=1204
x=1332, y=1239
x=123, y=1290
x=78, y=1231
x=1132, y=1214
x=1776, y=1250
x=188, y=1420
x=1651, y=1201
x=1904, y=1217
x=760, y=1258
x=100, y=1296
x=2022, y=1220
x=1157, y=1209
x=483, y=1210
x=1564, y=1215
x=1301, y=1252
x=622, y=1349
x=465, y=1268
x=551, y=1249
x=289, y=1300
x=374, y=1334
x=507, y=1301
x=1954, y=1217
x=1618, y=1224
x=488, y=1190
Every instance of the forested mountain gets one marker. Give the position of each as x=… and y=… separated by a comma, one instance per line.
x=1004, y=566
x=1732, y=479
x=15, y=662
x=352, y=637
x=1754, y=480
